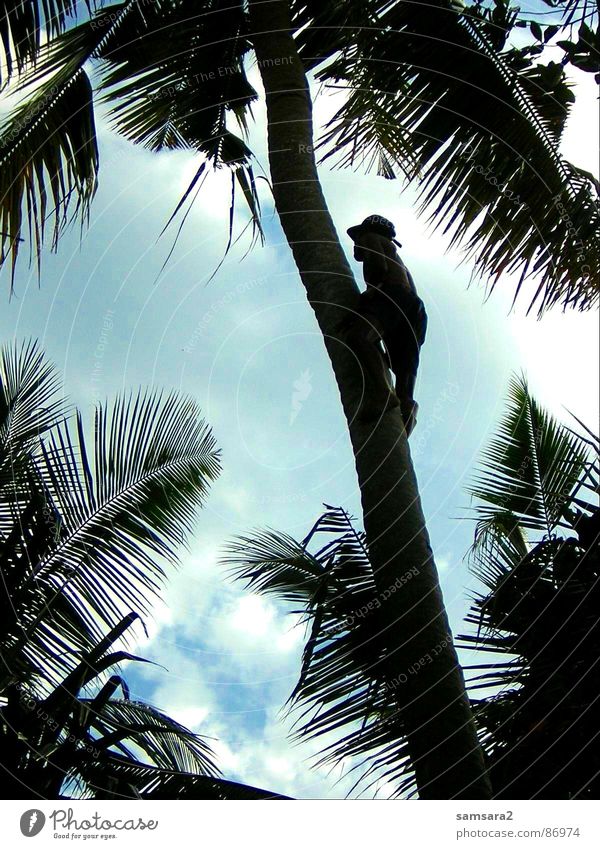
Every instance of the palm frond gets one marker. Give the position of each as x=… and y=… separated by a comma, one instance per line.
x=25, y=25
x=575, y=11
x=540, y=620
x=180, y=85
x=175, y=90
x=140, y=726
x=119, y=777
x=538, y=617
x=48, y=157
x=274, y=563
x=321, y=30
x=431, y=91
x=531, y=467
x=48, y=149
x=92, y=664
x=81, y=534
x=186, y=71
x=64, y=730
x=60, y=636
x=83, y=531
x=342, y=692
x=125, y=503
x=29, y=404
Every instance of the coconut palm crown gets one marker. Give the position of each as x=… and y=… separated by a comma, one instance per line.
x=436, y=92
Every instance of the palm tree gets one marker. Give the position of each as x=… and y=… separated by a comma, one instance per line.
x=173, y=75
x=82, y=537
x=537, y=489
x=537, y=553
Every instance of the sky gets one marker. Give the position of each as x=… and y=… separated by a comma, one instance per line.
x=247, y=347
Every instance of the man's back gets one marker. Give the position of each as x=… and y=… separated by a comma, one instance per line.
x=382, y=265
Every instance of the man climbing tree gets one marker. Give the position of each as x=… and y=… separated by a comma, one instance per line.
x=389, y=310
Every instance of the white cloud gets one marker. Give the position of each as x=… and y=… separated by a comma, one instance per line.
x=190, y=716
x=252, y=616
x=560, y=359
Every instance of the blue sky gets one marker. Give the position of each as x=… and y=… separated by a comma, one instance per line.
x=245, y=345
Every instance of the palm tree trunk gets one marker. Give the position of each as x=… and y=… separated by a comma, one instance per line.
x=421, y=662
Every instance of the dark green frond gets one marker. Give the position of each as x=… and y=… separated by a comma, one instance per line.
x=531, y=468
x=140, y=727
x=430, y=93
x=574, y=11
x=48, y=165
x=185, y=73
x=173, y=78
x=82, y=533
x=537, y=620
x=41, y=634
x=323, y=29
x=119, y=777
x=54, y=738
x=342, y=691
x=24, y=25
x=537, y=720
x=131, y=499
x=48, y=150
x=184, y=84
x=29, y=401
x=268, y=562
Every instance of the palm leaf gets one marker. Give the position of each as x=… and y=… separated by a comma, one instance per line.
x=180, y=84
x=23, y=27
x=342, y=692
x=577, y=10
x=129, y=501
x=119, y=777
x=48, y=156
x=537, y=619
x=65, y=729
x=48, y=148
x=60, y=634
x=531, y=468
x=29, y=407
x=185, y=73
x=478, y=127
x=83, y=537
x=81, y=534
x=173, y=91
x=166, y=743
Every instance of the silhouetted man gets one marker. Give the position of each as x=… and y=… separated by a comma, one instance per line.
x=389, y=310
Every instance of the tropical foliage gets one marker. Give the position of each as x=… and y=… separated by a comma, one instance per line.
x=85, y=534
x=343, y=691
x=537, y=553
x=442, y=93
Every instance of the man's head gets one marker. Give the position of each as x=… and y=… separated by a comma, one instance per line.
x=373, y=224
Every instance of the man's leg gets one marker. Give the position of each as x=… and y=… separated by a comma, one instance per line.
x=410, y=408
x=403, y=353
x=363, y=338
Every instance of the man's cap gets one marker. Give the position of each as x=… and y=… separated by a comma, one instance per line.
x=373, y=224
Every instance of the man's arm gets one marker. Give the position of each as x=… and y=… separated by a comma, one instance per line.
x=409, y=277
x=375, y=263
